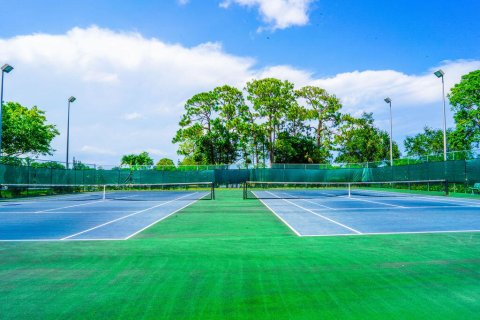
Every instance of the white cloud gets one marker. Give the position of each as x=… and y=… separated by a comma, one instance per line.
x=120, y=77
x=96, y=151
x=132, y=116
x=183, y=2
x=277, y=14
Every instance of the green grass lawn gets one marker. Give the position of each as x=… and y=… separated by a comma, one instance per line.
x=231, y=258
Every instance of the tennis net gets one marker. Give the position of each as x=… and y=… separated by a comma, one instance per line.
x=126, y=192
x=309, y=190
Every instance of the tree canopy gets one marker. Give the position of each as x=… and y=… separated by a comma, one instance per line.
x=26, y=131
x=275, y=121
x=165, y=164
x=272, y=120
x=465, y=100
x=141, y=159
x=359, y=140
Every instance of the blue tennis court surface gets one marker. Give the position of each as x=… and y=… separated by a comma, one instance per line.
x=67, y=218
x=382, y=214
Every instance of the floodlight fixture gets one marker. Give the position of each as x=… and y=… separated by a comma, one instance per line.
x=439, y=73
x=7, y=68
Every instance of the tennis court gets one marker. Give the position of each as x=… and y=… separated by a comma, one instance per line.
x=96, y=213
x=315, y=210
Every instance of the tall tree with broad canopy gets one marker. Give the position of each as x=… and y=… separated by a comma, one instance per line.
x=209, y=130
x=324, y=110
x=26, y=131
x=232, y=113
x=430, y=141
x=296, y=149
x=141, y=159
x=165, y=164
x=465, y=100
x=197, y=122
x=360, y=141
x=271, y=98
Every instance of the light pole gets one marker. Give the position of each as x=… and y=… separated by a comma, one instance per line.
x=5, y=69
x=70, y=100
x=389, y=101
x=439, y=73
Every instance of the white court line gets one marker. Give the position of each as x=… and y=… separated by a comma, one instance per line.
x=124, y=217
x=403, y=196
x=60, y=240
x=399, y=208
x=82, y=204
x=315, y=203
x=448, y=200
x=377, y=202
x=319, y=215
x=389, y=233
x=157, y=221
x=280, y=218
x=64, y=212
x=318, y=204
x=53, y=198
x=76, y=205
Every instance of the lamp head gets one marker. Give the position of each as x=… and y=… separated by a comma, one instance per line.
x=439, y=73
x=388, y=100
x=7, y=68
x=71, y=99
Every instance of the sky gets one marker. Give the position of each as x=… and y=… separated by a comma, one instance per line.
x=133, y=64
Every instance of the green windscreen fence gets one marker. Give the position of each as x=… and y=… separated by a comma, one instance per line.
x=466, y=172
x=458, y=171
x=11, y=174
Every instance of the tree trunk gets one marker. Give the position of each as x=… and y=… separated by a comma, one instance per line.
x=270, y=138
x=319, y=132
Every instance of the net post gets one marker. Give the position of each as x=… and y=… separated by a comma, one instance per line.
x=349, y=190
x=104, y=195
x=213, y=191
x=446, y=188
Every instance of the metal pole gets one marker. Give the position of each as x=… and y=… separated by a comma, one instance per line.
x=444, y=123
x=391, y=132
x=1, y=107
x=68, y=131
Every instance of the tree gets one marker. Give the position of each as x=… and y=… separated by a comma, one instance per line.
x=26, y=131
x=187, y=161
x=134, y=160
x=271, y=98
x=208, y=132
x=195, y=124
x=296, y=149
x=78, y=165
x=295, y=120
x=48, y=164
x=360, y=141
x=165, y=164
x=324, y=110
x=430, y=141
x=465, y=100
x=234, y=117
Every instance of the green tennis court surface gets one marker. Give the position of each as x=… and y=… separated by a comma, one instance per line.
x=232, y=258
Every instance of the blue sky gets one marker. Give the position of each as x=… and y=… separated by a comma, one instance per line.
x=132, y=64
